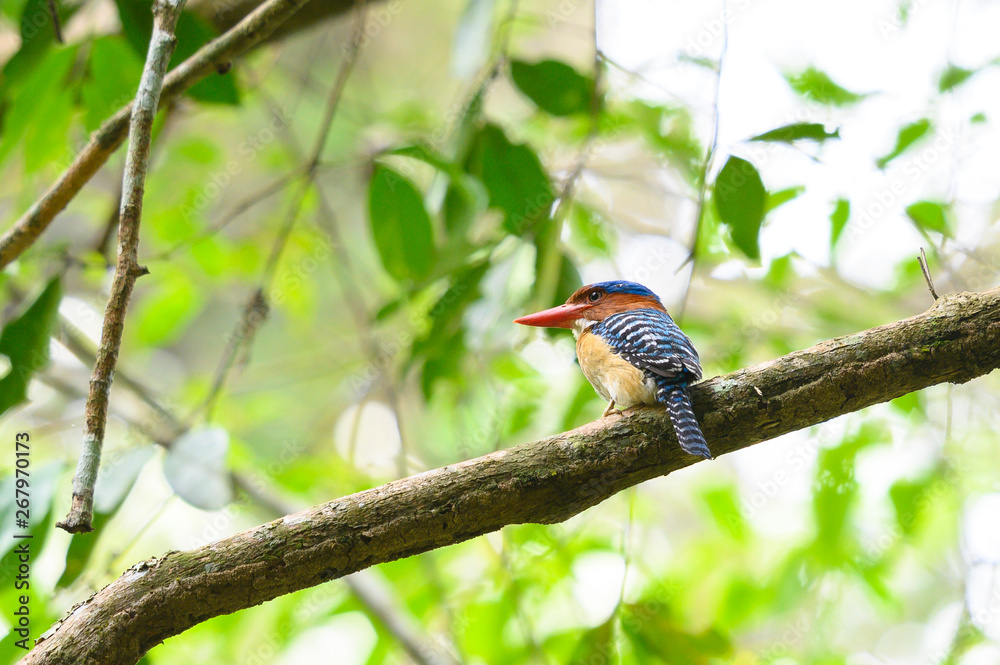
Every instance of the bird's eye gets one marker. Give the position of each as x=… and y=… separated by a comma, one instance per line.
x=594, y=296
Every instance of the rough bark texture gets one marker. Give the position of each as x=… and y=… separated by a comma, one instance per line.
x=545, y=481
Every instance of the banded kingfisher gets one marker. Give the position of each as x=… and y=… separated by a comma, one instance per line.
x=632, y=352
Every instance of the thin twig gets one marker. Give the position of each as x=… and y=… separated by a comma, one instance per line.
x=249, y=32
x=705, y=168
x=103, y=243
x=161, y=46
x=255, y=310
x=77, y=344
x=547, y=279
x=259, y=196
x=927, y=273
x=56, y=27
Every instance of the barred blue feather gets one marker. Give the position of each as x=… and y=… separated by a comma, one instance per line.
x=649, y=339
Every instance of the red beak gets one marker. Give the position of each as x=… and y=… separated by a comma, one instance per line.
x=562, y=316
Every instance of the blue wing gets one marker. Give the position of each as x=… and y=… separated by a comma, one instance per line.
x=650, y=340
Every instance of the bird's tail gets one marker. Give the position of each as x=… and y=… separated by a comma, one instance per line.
x=678, y=402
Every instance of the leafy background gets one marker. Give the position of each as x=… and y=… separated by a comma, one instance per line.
x=483, y=163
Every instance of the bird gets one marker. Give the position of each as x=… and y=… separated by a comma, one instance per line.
x=631, y=352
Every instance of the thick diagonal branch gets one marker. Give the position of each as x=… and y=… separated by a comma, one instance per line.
x=127, y=270
x=545, y=481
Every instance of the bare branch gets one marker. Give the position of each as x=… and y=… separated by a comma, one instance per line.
x=545, y=482
x=56, y=25
x=128, y=270
x=219, y=53
x=256, y=308
x=927, y=273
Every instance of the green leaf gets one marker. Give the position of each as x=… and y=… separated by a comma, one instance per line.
x=400, y=225
x=514, y=177
x=192, y=32
x=136, y=18
x=164, y=314
x=595, y=644
x=664, y=640
x=724, y=507
x=428, y=155
x=589, y=228
x=113, y=73
x=780, y=272
x=835, y=492
x=953, y=76
x=41, y=112
x=37, y=38
x=667, y=130
x=472, y=38
x=800, y=131
x=442, y=347
x=195, y=467
x=575, y=414
x=906, y=137
x=930, y=216
x=911, y=404
x=119, y=471
x=781, y=197
x=817, y=86
x=739, y=197
x=911, y=498
x=838, y=220
x=569, y=280
x=553, y=86
x=465, y=199
x=25, y=342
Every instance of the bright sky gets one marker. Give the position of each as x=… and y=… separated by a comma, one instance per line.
x=862, y=45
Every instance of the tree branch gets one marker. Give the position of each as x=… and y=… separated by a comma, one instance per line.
x=545, y=481
x=128, y=270
x=250, y=31
x=224, y=14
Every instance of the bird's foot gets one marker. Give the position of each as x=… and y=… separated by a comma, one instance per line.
x=611, y=409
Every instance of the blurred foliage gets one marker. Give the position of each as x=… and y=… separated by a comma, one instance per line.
x=461, y=184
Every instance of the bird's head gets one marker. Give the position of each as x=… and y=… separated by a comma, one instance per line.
x=593, y=303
